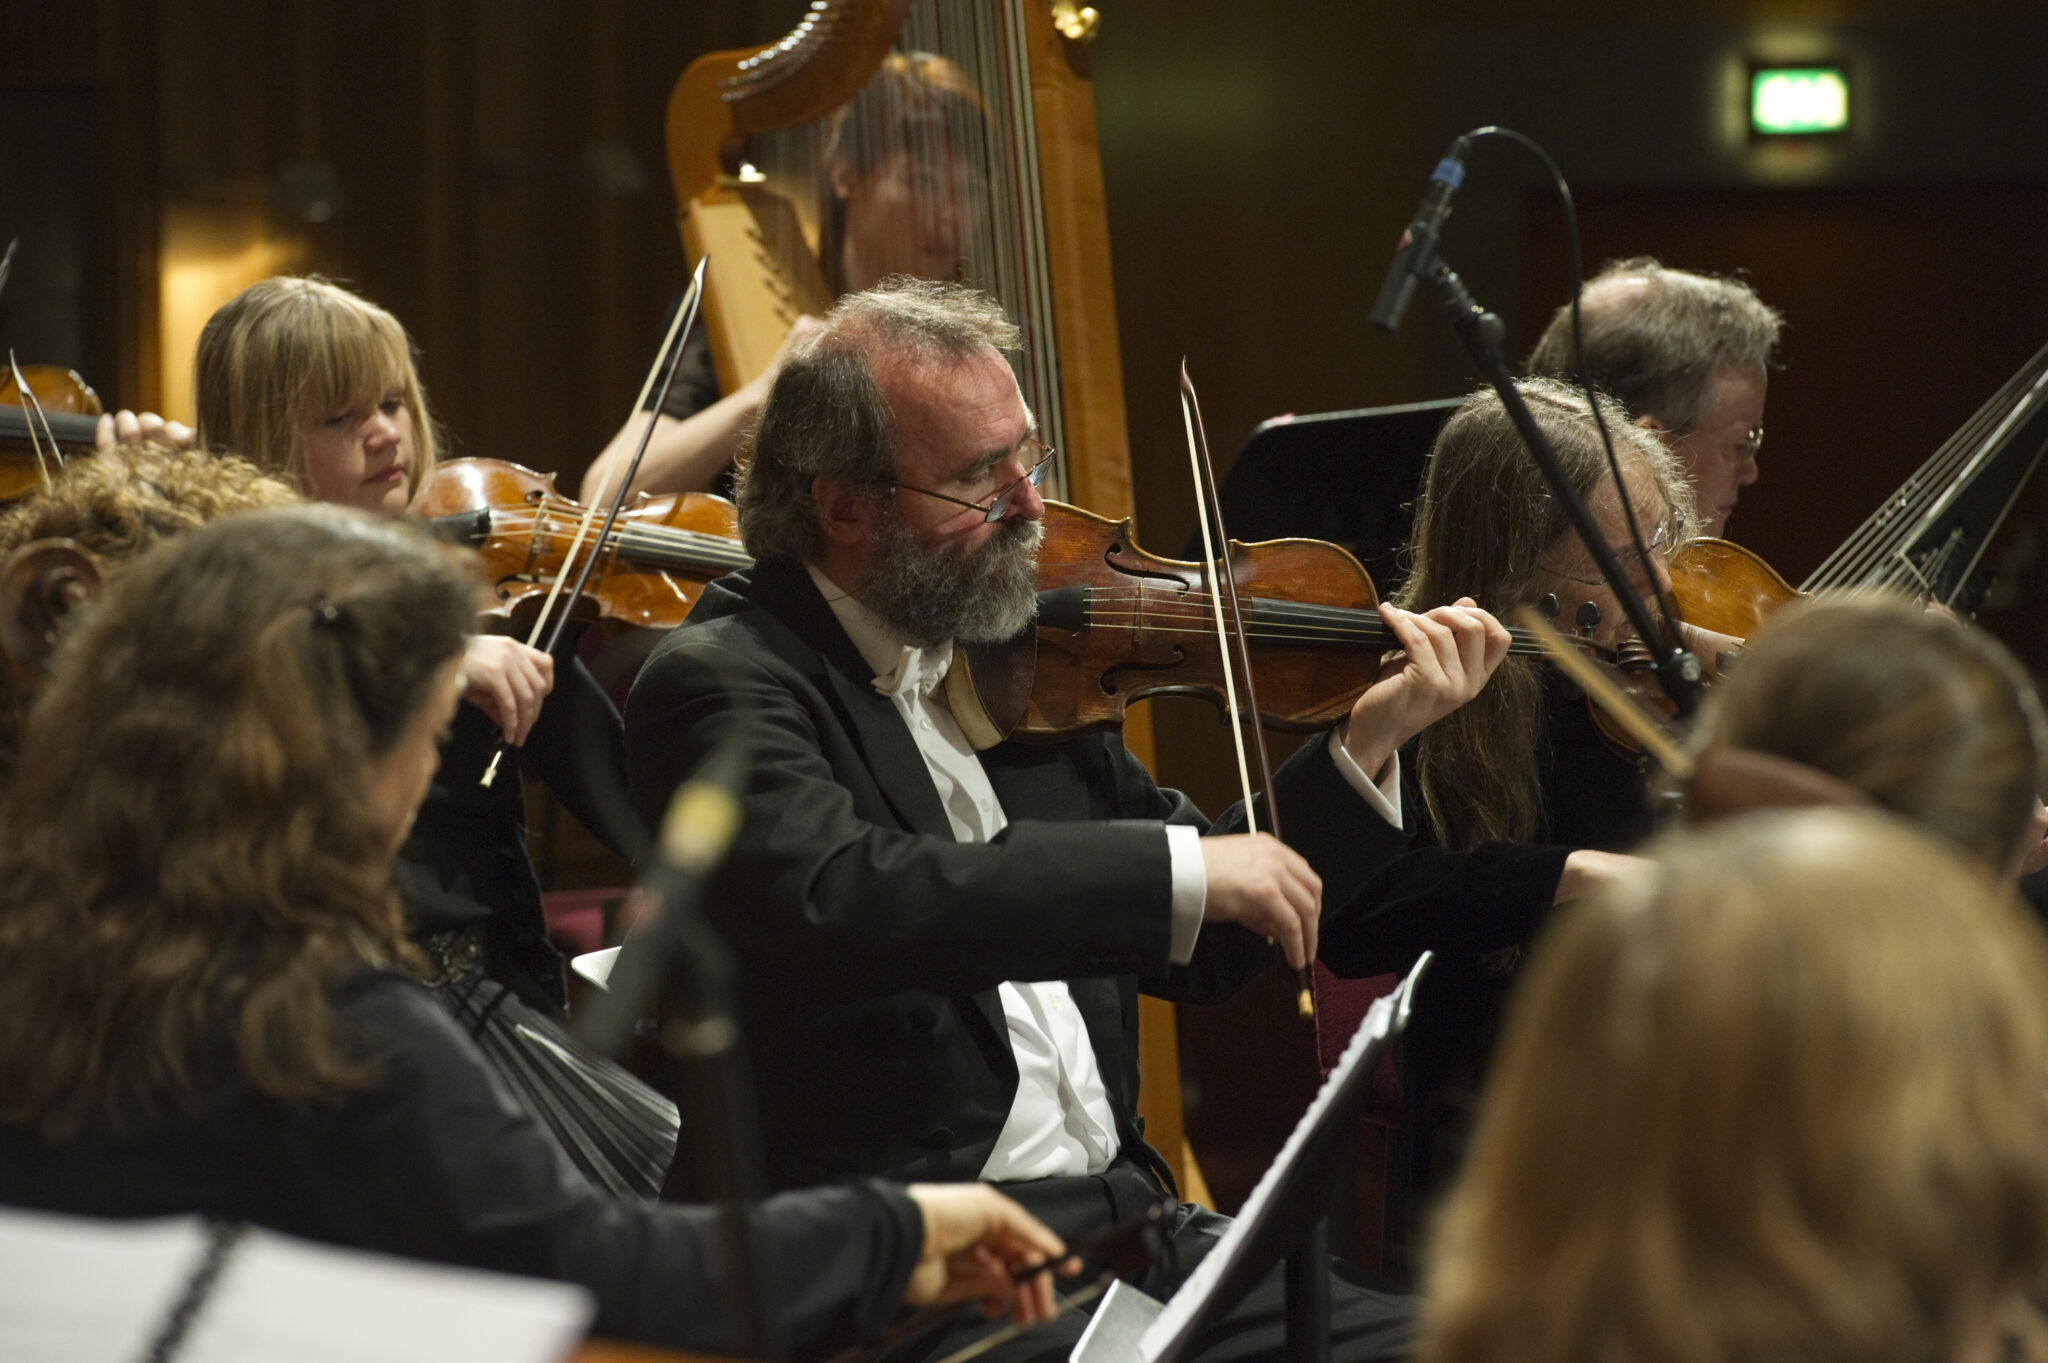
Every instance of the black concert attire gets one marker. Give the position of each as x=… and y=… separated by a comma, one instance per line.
x=1476, y=910
x=475, y=904
x=436, y=1162
x=873, y=941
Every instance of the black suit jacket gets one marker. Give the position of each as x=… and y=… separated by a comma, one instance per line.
x=872, y=941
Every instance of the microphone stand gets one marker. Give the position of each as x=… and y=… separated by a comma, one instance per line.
x=1484, y=334
x=677, y=954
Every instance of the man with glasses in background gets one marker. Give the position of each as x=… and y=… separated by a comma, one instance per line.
x=942, y=948
x=1686, y=354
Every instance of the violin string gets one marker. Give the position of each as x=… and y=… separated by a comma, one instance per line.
x=1193, y=622
x=1272, y=617
x=712, y=548
x=641, y=544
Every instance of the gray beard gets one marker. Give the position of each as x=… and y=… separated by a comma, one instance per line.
x=931, y=593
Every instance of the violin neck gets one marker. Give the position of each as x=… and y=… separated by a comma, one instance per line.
x=73, y=432
x=1268, y=622
x=1292, y=623
x=670, y=547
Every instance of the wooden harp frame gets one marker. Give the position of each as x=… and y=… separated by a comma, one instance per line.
x=723, y=98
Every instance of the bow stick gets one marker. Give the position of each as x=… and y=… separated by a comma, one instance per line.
x=666, y=361
x=1631, y=714
x=32, y=410
x=1231, y=640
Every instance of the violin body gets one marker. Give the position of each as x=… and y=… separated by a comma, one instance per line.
x=1721, y=586
x=69, y=405
x=649, y=573
x=1150, y=629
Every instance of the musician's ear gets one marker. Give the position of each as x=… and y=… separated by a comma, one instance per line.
x=846, y=514
x=43, y=586
x=1650, y=423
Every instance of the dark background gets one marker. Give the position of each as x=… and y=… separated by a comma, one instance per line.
x=492, y=171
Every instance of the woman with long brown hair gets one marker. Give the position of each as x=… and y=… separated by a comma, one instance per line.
x=203, y=1003
x=1778, y=1097
x=1520, y=803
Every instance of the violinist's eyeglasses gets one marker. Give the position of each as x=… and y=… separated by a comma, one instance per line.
x=993, y=508
x=1663, y=542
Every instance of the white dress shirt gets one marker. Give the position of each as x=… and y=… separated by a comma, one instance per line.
x=1061, y=1121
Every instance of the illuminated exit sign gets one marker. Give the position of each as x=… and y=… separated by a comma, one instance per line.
x=1798, y=100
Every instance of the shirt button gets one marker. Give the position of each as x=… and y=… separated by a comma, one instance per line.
x=924, y=724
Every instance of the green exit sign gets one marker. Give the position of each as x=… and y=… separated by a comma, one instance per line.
x=1798, y=100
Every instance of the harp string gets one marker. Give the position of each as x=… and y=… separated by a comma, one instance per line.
x=964, y=142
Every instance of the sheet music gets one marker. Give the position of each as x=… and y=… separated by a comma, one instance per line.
x=1168, y=1331
x=87, y=1291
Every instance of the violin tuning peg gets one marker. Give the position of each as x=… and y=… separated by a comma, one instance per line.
x=1587, y=617
x=1548, y=605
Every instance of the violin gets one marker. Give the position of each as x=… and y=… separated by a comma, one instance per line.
x=649, y=573
x=68, y=404
x=1721, y=586
x=1117, y=623
x=1720, y=592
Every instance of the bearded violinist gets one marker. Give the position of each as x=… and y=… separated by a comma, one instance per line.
x=942, y=950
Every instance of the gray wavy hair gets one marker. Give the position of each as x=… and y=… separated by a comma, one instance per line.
x=826, y=415
x=1659, y=348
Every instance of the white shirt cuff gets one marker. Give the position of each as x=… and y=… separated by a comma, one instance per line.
x=1383, y=796
x=1190, y=890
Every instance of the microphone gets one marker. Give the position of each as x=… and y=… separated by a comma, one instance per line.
x=703, y=817
x=1417, y=250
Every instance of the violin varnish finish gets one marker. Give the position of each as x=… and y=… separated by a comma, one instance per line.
x=1724, y=587
x=1150, y=630
x=661, y=552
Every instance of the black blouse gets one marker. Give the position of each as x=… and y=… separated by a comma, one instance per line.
x=436, y=1162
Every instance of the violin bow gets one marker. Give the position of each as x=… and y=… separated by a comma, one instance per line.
x=1230, y=637
x=1642, y=726
x=666, y=361
x=33, y=411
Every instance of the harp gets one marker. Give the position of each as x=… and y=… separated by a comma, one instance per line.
x=1039, y=240
x=1041, y=247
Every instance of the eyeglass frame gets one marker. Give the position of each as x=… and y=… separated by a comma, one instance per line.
x=1668, y=535
x=999, y=502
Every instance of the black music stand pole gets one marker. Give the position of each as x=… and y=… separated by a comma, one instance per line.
x=1307, y=1280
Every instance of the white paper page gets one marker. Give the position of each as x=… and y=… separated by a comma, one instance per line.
x=88, y=1291
x=285, y=1298
x=77, y=1291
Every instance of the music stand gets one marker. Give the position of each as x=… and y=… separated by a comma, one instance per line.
x=1348, y=477
x=1281, y=1220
